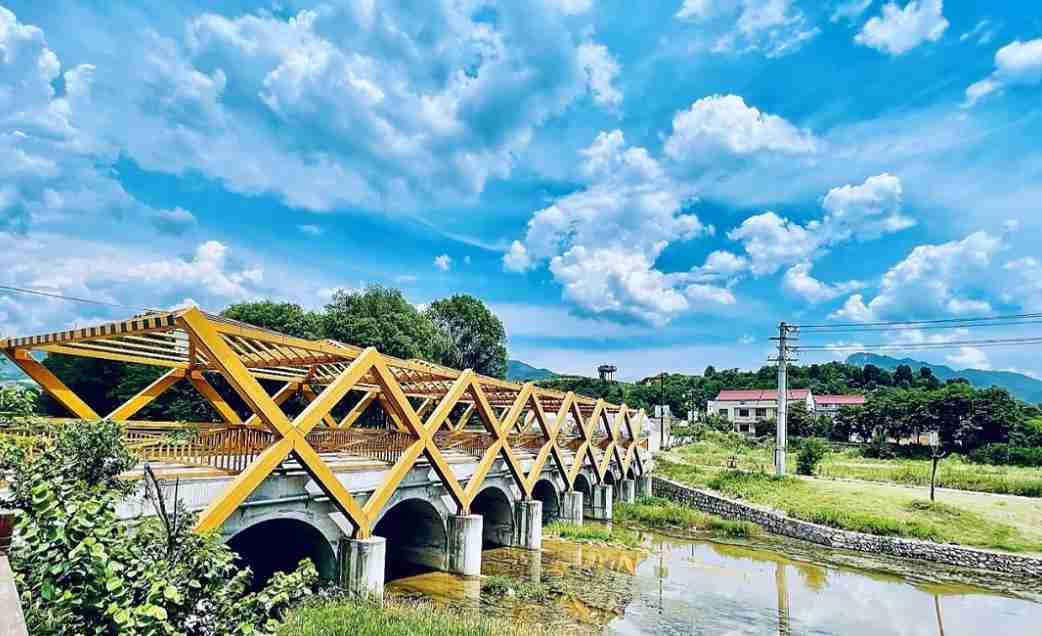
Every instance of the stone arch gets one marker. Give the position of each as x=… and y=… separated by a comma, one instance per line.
x=585, y=486
x=279, y=544
x=496, y=508
x=610, y=480
x=546, y=492
x=416, y=538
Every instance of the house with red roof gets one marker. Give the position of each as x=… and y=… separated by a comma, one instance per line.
x=745, y=407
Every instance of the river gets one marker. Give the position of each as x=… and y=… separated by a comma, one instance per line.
x=700, y=586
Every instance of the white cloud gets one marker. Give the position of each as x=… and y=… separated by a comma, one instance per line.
x=982, y=33
x=772, y=28
x=852, y=212
x=798, y=280
x=747, y=339
x=1024, y=279
x=933, y=280
x=176, y=221
x=772, y=241
x=850, y=10
x=865, y=211
x=311, y=229
x=721, y=265
x=601, y=70
x=969, y=358
x=443, y=262
x=1016, y=64
x=898, y=30
x=725, y=124
x=601, y=242
x=572, y=7
x=699, y=292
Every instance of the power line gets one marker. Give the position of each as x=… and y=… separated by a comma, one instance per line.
x=37, y=292
x=922, y=346
x=868, y=329
x=885, y=323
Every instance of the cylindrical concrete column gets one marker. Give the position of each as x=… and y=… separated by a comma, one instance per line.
x=572, y=507
x=602, y=502
x=644, y=486
x=627, y=491
x=465, y=544
x=528, y=524
x=362, y=566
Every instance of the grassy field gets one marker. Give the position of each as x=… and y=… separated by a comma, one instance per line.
x=655, y=512
x=717, y=449
x=976, y=520
x=351, y=618
x=592, y=533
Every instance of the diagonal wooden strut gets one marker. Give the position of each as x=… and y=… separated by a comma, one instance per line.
x=51, y=384
x=145, y=396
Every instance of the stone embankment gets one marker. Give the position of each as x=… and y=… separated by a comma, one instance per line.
x=778, y=523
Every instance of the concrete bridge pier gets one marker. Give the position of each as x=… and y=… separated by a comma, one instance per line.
x=465, y=541
x=627, y=491
x=602, y=502
x=528, y=524
x=572, y=507
x=362, y=567
x=644, y=486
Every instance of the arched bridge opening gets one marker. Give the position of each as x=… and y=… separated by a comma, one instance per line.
x=416, y=539
x=279, y=545
x=497, y=514
x=545, y=492
x=582, y=484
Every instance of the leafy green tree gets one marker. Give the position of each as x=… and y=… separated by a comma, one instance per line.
x=475, y=337
x=381, y=317
x=812, y=451
x=287, y=318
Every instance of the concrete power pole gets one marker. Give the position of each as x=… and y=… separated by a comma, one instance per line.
x=785, y=334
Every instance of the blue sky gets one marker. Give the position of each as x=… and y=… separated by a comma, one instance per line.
x=654, y=184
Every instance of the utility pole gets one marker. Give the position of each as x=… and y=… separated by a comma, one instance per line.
x=786, y=333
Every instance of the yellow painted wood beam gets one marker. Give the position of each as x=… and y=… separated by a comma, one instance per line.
x=51, y=384
x=357, y=411
x=309, y=395
x=287, y=391
x=219, y=404
x=127, y=410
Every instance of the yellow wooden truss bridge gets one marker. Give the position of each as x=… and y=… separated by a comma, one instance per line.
x=429, y=408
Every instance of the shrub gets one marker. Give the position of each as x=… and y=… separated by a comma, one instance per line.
x=82, y=570
x=1004, y=454
x=812, y=451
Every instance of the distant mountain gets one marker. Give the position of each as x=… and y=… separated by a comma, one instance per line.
x=1022, y=386
x=517, y=370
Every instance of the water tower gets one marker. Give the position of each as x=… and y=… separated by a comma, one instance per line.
x=607, y=372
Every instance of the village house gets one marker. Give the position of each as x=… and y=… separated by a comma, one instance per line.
x=744, y=408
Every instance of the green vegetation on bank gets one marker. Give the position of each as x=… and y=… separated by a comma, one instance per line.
x=592, y=533
x=351, y=618
x=656, y=512
x=715, y=449
x=860, y=507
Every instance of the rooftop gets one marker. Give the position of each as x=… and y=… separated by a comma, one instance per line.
x=759, y=395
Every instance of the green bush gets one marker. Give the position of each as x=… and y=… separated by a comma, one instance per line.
x=1004, y=454
x=82, y=570
x=397, y=619
x=812, y=451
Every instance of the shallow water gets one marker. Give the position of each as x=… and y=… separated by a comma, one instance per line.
x=696, y=586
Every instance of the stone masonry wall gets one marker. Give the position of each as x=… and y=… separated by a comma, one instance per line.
x=778, y=523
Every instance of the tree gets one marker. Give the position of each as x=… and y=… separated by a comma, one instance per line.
x=287, y=318
x=381, y=317
x=903, y=376
x=475, y=336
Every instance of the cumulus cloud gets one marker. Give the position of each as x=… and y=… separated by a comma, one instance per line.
x=799, y=281
x=899, y=30
x=852, y=212
x=970, y=358
x=1024, y=276
x=443, y=262
x=601, y=70
x=933, y=280
x=601, y=242
x=311, y=230
x=772, y=28
x=1016, y=64
x=725, y=124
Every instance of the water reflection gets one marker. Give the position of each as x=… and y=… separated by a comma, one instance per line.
x=677, y=586
x=711, y=588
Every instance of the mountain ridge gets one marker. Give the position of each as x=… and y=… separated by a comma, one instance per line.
x=517, y=370
x=1022, y=386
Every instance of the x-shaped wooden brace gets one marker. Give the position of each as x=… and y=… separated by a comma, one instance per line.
x=292, y=435
x=501, y=444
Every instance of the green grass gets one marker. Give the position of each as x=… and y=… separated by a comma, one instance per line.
x=592, y=533
x=862, y=508
x=348, y=618
x=656, y=512
x=717, y=449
